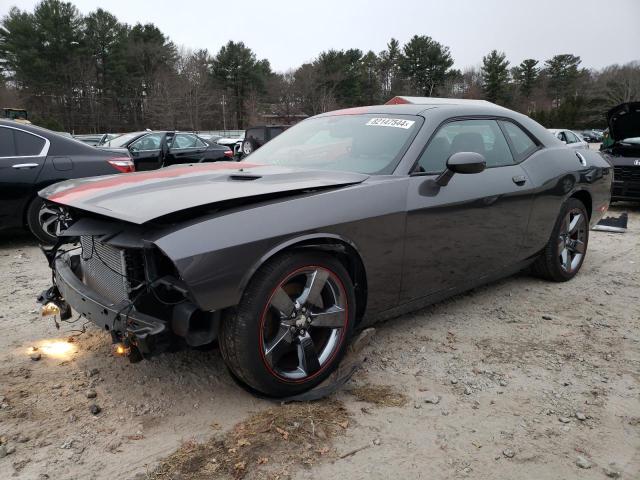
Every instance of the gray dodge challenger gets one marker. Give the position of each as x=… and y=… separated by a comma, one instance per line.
x=347, y=218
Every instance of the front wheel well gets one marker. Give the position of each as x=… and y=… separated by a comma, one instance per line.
x=585, y=198
x=350, y=259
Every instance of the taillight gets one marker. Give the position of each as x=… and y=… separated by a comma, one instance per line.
x=228, y=153
x=122, y=164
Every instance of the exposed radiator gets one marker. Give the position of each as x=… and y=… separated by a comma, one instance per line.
x=106, y=269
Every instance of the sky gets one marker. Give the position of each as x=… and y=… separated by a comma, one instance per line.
x=289, y=33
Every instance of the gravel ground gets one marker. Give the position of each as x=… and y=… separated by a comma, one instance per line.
x=518, y=379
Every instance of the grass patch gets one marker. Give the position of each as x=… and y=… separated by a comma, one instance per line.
x=266, y=445
x=380, y=395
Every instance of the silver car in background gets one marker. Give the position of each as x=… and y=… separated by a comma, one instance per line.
x=571, y=138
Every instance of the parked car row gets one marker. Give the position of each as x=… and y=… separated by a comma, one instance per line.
x=571, y=138
x=149, y=150
x=156, y=149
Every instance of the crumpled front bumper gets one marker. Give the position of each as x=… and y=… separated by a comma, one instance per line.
x=141, y=331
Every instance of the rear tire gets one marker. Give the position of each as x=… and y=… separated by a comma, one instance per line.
x=292, y=325
x=566, y=250
x=43, y=220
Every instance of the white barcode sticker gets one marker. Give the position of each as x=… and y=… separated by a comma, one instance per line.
x=390, y=122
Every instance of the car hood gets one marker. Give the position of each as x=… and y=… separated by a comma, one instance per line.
x=624, y=121
x=143, y=196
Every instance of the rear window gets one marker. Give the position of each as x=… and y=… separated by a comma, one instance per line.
x=522, y=143
x=371, y=144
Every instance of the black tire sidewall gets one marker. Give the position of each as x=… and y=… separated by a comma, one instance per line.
x=33, y=222
x=243, y=354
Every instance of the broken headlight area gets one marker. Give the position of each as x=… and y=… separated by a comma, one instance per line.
x=129, y=289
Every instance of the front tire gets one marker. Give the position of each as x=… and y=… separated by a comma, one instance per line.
x=292, y=325
x=566, y=250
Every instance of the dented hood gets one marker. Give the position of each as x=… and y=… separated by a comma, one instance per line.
x=144, y=196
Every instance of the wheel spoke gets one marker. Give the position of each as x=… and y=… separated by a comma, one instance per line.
x=573, y=224
x=47, y=210
x=47, y=223
x=307, y=356
x=578, y=246
x=281, y=343
x=316, y=281
x=333, y=317
x=564, y=255
x=282, y=302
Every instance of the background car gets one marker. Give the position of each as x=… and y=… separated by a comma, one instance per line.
x=155, y=149
x=255, y=137
x=233, y=142
x=591, y=136
x=571, y=138
x=32, y=158
x=623, y=150
x=345, y=219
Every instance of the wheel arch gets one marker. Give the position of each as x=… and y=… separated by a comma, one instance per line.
x=585, y=197
x=345, y=250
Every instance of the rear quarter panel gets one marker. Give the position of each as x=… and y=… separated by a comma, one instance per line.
x=558, y=174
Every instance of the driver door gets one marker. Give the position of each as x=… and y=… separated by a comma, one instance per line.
x=186, y=148
x=146, y=151
x=472, y=227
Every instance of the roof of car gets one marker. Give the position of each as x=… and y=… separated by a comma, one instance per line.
x=454, y=106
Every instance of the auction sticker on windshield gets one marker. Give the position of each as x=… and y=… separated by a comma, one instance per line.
x=390, y=122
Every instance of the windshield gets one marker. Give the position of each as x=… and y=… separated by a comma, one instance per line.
x=371, y=144
x=122, y=140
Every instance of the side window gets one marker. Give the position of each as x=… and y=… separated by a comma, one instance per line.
x=26, y=144
x=186, y=140
x=571, y=138
x=7, y=147
x=522, y=143
x=148, y=142
x=480, y=136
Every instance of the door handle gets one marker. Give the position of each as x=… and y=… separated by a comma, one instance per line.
x=25, y=165
x=519, y=180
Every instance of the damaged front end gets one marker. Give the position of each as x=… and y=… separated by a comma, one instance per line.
x=127, y=287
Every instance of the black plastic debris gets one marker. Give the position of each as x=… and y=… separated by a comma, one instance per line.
x=613, y=224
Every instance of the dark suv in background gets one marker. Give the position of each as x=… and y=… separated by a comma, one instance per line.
x=255, y=137
x=622, y=150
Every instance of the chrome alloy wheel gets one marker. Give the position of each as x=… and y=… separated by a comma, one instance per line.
x=53, y=219
x=303, y=324
x=572, y=240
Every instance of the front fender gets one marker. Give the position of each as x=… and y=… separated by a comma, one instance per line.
x=217, y=255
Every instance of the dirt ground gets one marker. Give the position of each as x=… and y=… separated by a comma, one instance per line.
x=519, y=379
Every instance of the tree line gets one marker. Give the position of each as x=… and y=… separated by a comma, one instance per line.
x=94, y=73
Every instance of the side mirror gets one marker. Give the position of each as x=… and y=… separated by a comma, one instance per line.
x=464, y=163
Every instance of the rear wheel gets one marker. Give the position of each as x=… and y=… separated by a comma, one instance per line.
x=248, y=146
x=46, y=221
x=292, y=325
x=565, y=252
